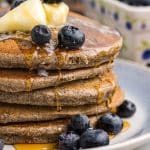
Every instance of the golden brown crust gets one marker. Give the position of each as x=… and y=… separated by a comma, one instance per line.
x=73, y=93
x=45, y=132
x=15, y=80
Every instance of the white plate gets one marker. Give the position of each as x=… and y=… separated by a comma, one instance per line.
x=135, y=80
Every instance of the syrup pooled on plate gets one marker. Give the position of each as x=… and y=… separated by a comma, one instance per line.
x=35, y=147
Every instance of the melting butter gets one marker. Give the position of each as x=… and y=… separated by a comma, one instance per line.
x=56, y=13
x=31, y=13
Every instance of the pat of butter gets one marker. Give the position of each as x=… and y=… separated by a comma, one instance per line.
x=31, y=13
x=35, y=146
x=56, y=13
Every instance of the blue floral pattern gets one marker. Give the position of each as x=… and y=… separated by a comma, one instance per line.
x=116, y=16
x=129, y=25
x=146, y=54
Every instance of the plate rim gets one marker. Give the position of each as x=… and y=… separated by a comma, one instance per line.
x=140, y=139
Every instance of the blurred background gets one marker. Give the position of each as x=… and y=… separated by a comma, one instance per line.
x=130, y=17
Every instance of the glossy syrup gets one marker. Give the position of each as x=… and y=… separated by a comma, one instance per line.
x=28, y=83
x=58, y=102
x=100, y=94
x=35, y=147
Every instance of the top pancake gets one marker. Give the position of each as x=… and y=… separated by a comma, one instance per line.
x=102, y=45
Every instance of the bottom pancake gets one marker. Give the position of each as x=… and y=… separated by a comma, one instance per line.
x=46, y=132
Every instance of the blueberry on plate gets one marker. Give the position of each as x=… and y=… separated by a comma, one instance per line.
x=79, y=123
x=111, y=123
x=52, y=1
x=41, y=34
x=70, y=37
x=94, y=138
x=1, y=144
x=16, y=3
x=126, y=109
x=69, y=141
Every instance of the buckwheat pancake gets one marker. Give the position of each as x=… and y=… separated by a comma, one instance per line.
x=47, y=132
x=74, y=93
x=102, y=45
x=18, y=80
x=24, y=113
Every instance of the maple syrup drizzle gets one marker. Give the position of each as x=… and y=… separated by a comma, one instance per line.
x=59, y=75
x=126, y=126
x=60, y=59
x=58, y=103
x=100, y=94
x=28, y=84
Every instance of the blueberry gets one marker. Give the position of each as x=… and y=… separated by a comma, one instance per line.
x=40, y=34
x=1, y=144
x=127, y=109
x=16, y=3
x=70, y=37
x=69, y=141
x=94, y=138
x=80, y=123
x=52, y=1
x=111, y=123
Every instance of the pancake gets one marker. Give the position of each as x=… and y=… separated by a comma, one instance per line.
x=46, y=132
x=102, y=45
x=18, y=80
x=20, y=113
x=74, y=93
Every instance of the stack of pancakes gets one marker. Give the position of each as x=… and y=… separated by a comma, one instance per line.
x=41, y=88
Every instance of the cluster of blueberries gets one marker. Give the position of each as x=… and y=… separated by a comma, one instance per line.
x=80, y=134
x=69, y=37
x=137, y=2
